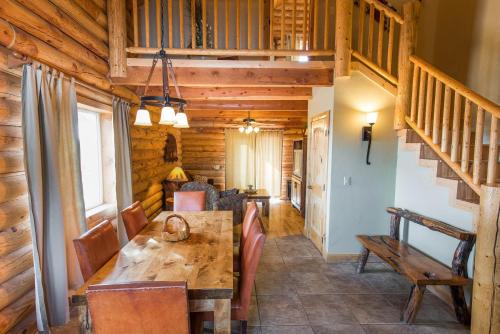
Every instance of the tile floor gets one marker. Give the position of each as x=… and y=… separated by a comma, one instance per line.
x=297, y=292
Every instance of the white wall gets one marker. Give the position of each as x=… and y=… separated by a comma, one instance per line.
x=321, y=101
x=416, y=190
x=359, y=208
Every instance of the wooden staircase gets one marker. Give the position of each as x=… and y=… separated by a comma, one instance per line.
x=443, y=171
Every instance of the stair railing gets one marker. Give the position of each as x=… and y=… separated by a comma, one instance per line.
x=378, y=30
x=459, y=124
x=226, y=28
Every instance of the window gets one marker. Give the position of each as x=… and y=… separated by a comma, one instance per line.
x=89, y=129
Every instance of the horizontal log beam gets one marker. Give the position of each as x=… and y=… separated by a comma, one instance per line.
x=33, y=24
x=35, y=48
x=51, y=13
x=210, y=63
x=219, y=124
x=240, y=114
x=248, y=105
x=232, y=77
x=238, y=93
x=233, y=52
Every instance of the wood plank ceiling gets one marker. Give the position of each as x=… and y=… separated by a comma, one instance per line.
x=221, y=93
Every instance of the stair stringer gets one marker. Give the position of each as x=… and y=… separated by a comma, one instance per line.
x=452, y=185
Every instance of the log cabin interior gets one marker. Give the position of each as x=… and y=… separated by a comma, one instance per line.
x=253, y=166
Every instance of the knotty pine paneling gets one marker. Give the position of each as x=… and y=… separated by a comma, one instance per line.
x=148, y=166
x=16, y=262
x=203, y=153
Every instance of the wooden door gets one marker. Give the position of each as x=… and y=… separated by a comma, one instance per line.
x=316, y=180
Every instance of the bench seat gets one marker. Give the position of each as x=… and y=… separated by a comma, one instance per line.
x=417, y=267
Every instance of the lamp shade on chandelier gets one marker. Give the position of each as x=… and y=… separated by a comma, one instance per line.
x=165, y=101
x=249, y=127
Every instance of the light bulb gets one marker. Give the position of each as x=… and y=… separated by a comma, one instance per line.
x=181, y=120
x=256, y=129
x=167, y=116
x=371, y=118
x=248, y=130
x=242, y=129
x=142, y=117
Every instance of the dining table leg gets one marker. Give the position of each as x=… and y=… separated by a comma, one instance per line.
x=222, y=316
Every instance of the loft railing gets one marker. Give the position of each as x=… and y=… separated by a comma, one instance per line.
x=378, y=30
x=459, y=124
x=233, y=27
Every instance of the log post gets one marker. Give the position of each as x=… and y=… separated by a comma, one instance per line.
x=407, y=45
x=117, y=38
x=343, y=38
x=486, y=291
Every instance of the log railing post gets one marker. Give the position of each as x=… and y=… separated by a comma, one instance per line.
x=486, y=290
x=343, y=38
x=407, y=44
x=117, y=38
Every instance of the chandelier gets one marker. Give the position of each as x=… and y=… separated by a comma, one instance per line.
x=248, y=127
x=166, y=102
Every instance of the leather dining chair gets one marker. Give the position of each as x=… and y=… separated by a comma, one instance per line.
x=189, y=201
x=134, y=219
x=139, y=308
x=251, y=214
x=240, y=304
x=95, y=247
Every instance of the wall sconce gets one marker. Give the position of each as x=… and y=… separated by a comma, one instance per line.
x=371, y=118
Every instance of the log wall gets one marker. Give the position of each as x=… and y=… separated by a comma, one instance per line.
x=204, y=153
x=148, y=166
x=17, y=303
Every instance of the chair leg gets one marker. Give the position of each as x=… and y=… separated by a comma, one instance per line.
x=243, y=327
x=461, y=310
x=363, y=257
x=413, y=304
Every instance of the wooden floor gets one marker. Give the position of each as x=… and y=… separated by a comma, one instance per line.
x=296, y=292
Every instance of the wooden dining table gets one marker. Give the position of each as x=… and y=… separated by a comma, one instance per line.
x=204, y=260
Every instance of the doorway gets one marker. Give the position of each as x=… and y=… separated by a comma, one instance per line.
x=317, y=174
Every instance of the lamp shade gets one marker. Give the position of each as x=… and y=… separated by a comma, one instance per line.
x=181, y=120
x=167, y=116
x=371, y=118
x=177, y=175
x=142, y=117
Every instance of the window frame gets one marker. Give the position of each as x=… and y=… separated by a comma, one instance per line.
x=85, y=109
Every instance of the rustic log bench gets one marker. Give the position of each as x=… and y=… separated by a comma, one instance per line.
x=418, y=268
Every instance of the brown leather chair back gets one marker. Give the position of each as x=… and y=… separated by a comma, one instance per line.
x=189, y=201
x=134, y=219
x=251, y=215
x=139, y=307
x=252, y=251
x=95, y=247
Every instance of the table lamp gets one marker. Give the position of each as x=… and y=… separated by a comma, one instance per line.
x=176, y=176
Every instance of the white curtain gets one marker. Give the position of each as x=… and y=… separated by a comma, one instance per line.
x=268, y=153
x=254, y=159
x=57, y=213
x=240, y=159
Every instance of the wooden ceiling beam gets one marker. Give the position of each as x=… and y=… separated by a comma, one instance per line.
x=247, y=105
x=240, y=114
x=232, y=77
x=219, y=124
x=238, y=93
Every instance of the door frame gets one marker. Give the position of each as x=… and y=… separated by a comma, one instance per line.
x=307, y=227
